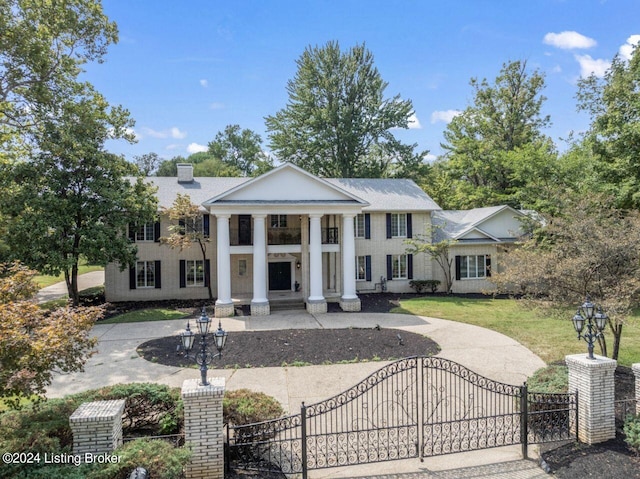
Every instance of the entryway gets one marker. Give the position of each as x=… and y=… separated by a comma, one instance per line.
x=279, y=276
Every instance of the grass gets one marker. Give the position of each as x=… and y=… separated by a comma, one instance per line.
x=45, y=280
x=550, y=338
x=143, y=315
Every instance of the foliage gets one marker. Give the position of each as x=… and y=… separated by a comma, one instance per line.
x=492, y=146
x=73, y=199
x=243, y=406
x=188, y=229
x=240, y=149
x=421, y=285
x=34, y=342
x=592, y=250
x=147, y=163
x=553, y=379
x=337, y=114
x=204, y=164
x=438, y=247
x=631, y=430
x=614, y=137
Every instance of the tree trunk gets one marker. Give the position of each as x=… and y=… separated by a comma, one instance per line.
x=617, y=336
x=72, y=284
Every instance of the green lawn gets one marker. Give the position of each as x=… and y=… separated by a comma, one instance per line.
x=550, y=338
x=43, y=280
x=141, y=315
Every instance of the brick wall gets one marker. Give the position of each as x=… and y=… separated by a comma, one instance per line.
x=97, y=426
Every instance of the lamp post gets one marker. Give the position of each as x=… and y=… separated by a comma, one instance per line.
x=595, y=322
x=203, y=357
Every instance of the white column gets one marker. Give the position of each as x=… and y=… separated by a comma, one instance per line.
x=315, y=259
x=259, y=303
x=223, y=303
x=348, y=258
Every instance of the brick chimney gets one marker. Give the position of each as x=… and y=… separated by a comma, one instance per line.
x=185, y=172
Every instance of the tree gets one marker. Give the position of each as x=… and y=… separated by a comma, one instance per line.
x=147, y=163
x=591, y=249
x=42, y=49
x=336, y=113
x=186, y=230
x=73, y=199
x=614, y=137
x=204, y=164
x=240, y=149
x=34, y=342
x=437, y=247
x=483, y=143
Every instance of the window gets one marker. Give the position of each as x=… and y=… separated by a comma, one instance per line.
x=278, y=221
x=398, y=225
x=361, y=268
x=242, y=267
x=473, y=267
x=195, y=272
x=360, y=226
x=399, y=266
x=145, y=232
x=145, y=274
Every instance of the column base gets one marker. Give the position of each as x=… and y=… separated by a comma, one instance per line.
x=260, y=308
x=350, y=305
x=316, y=306
x=224, y=310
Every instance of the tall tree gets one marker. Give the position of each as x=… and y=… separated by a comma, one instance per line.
x=484, y=141
x=147, y=163
x=204, y=164
x=336, y=113
x=590, y=249
x=240, y=149
x=72, y=199
x=42, y=49
x=34, y=342
x=614, y=137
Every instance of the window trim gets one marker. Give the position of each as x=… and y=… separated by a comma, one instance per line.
x=364, y=267
x=194, y=283
x=148, y=266
x=280, y=221
x=465, y=270
x=360, y=226
x=396, y=261
x=395, y=221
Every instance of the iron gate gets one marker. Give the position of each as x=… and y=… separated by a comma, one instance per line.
x=413, y=407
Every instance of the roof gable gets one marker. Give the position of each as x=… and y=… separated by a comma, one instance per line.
x=494, y=223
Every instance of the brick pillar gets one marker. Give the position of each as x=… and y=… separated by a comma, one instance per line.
x=594, y=381
x=636, y=373
x=203, y=427
x=97, y=426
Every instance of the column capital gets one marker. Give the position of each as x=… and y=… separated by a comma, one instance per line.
x=316, y=215
x=349, y=215
x=221, y=216
x=259, y=215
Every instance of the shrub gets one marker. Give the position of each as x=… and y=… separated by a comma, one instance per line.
x=550, y=379
x=244, y=406
x=631, y=430
x=420, y=285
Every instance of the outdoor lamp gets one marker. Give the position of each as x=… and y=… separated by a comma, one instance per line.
x=585, y=314
x=220, y=337
x=578, y=322
x=187, y=338
x=587, y=308
x=601, y=320
x=203, y=323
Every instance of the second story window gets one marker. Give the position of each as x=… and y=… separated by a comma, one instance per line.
x=278, y=221
x=360, y=227
x=398, y=225
x=145, y=232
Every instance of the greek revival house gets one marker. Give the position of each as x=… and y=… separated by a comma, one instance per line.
x=289, y=235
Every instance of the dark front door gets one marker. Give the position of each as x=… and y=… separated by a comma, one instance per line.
x=279, y=276
x=244, y=230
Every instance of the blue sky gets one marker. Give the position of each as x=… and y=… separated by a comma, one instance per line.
x=186, y=69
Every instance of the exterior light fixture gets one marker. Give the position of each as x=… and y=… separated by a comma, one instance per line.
x=595, y=323
x=203, y=357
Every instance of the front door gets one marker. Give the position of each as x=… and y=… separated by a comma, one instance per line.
x=244, y=230
x=279, y=276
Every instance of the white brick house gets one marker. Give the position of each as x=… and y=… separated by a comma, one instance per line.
x=290, y=234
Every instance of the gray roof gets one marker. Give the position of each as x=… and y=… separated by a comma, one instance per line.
x=453, y=223
x=381, y=194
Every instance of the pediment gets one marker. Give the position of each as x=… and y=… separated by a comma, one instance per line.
x=287, y=183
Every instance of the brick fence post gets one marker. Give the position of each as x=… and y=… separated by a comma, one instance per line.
x=203, y=427
x=636, y=373
x=97, y=426
x=593, y=379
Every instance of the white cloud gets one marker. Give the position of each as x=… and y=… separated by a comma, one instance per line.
x=445, y=115
x=627, y=49
x=204, y=83
x=569, y=40
x=196, y=148
x=173, y=132
x=590, y=65
x=136, y=136
x=177, y=134
x=430, y=157
x=172, y=146
x=414, y=123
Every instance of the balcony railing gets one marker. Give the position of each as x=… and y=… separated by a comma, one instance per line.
x=281, y=236
x=284, y=236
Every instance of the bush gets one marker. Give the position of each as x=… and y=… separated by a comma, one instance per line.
x=420, y=285
x=550, y=379
x=244, y=406
x=631, y=430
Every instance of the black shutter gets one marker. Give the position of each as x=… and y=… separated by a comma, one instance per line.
x=156, y=232
x=132, y=277
x=205, y=225
x=409, y=266
x=458, y=260
x=132, y=232
x=367, y=267
x=183, y=273
x=388, y=225
x=389, y=267
x=409, y=226
x=207, y=273
x=158, y=276
x=367, y=227
x=488, y=265
x=183, y=226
